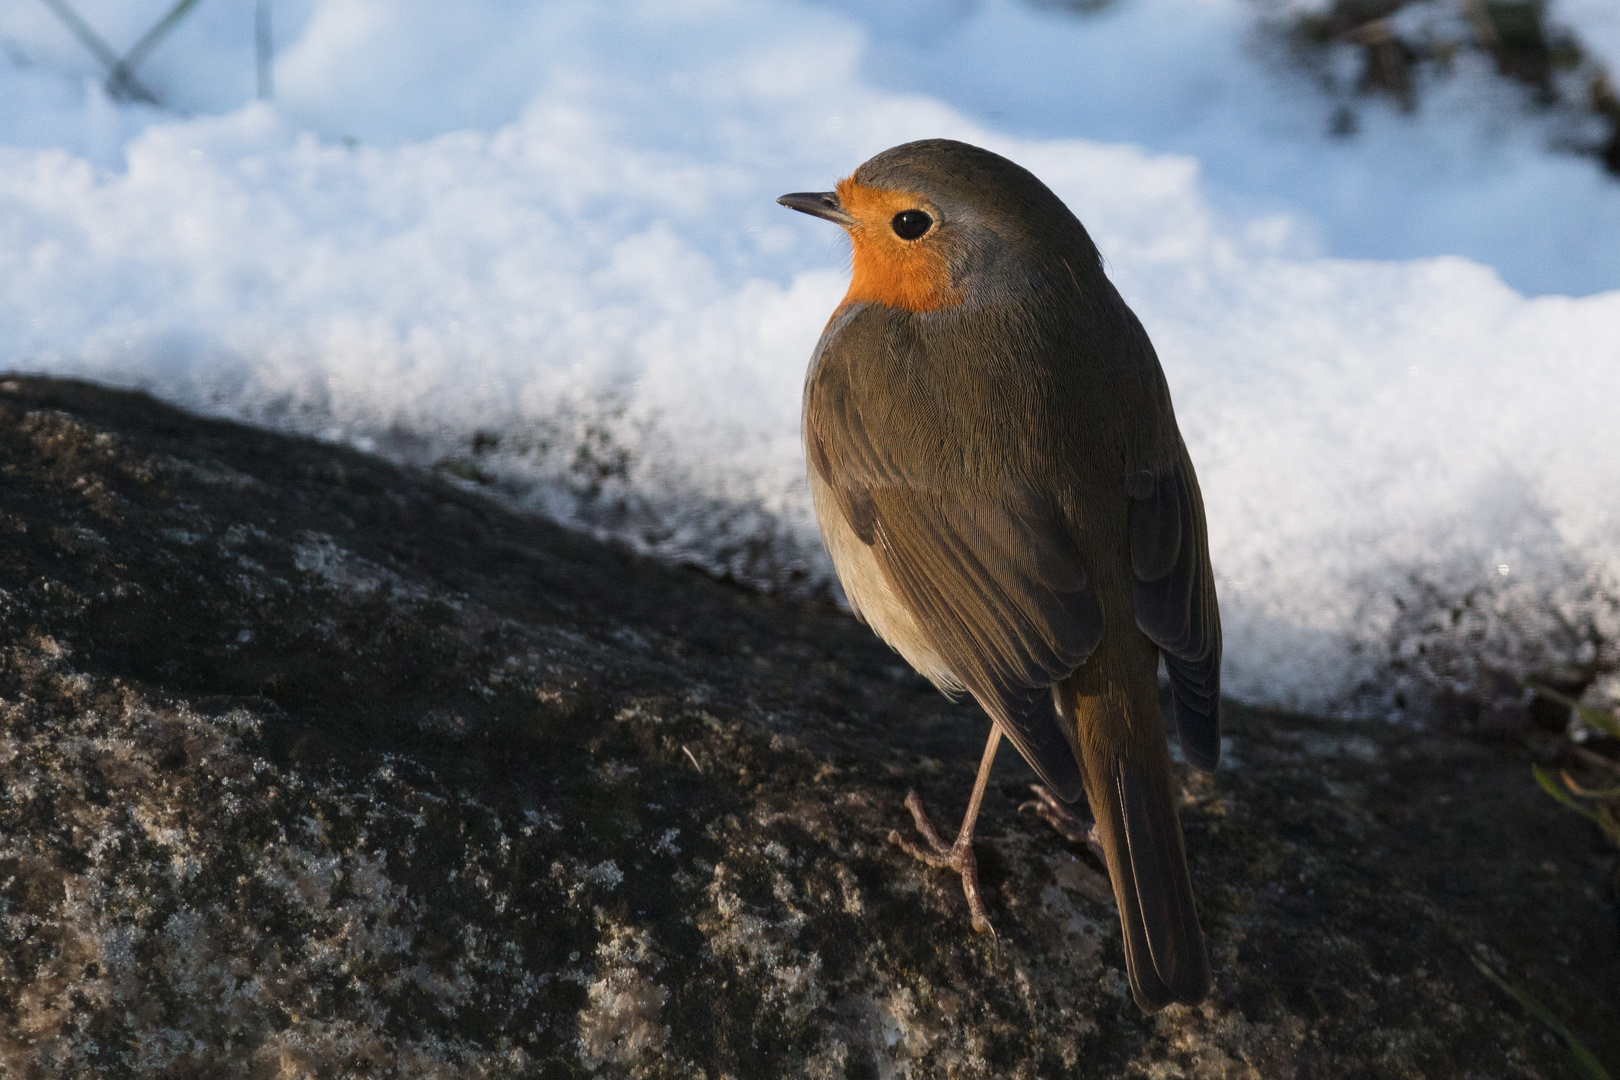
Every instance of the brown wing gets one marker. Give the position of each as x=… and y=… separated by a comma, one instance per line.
x=1175, y=601
x=991, y=577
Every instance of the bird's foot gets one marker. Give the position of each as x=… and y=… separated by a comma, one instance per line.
x=1071, y=826
x=943, y=856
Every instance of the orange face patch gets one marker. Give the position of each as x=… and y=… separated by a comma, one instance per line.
x=908, y=274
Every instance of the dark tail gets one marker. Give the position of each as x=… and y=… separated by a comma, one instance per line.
x=1131, y=799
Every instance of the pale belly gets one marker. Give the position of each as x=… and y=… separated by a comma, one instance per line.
x=869, y=593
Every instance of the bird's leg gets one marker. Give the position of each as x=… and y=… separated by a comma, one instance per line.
x=957, y=856
x=1074, y=828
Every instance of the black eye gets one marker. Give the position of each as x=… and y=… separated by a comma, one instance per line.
x=910, y=224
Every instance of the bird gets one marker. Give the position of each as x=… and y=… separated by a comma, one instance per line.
x=1007, y=501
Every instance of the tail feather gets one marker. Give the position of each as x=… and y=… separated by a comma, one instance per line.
x=1141, y=836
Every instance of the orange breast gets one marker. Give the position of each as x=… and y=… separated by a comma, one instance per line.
x=908, y=274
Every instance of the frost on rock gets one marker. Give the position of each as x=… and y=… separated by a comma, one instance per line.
x=620, y=1024
x=763, y=949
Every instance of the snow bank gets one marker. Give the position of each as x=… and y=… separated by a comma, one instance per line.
x=548, y=260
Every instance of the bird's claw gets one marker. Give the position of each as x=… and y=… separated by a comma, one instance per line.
x=943, y=856
x=1071, y=826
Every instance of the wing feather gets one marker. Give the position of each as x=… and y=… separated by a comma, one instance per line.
x=1175, y=602
x=992, y=578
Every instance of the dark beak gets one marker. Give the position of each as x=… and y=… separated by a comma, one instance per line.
x=821, y=204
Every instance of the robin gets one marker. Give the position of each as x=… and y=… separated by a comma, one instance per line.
x=1000, y=482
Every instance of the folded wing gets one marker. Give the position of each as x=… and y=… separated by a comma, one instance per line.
x=991, y=577
x=1175, y=601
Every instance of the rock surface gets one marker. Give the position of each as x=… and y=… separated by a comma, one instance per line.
x=311, y=766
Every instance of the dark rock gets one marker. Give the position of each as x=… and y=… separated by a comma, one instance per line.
x=312, y=766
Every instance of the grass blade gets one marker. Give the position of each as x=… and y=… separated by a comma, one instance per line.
x=1579, y=1057
x=1556, y=790
x=1597, y=719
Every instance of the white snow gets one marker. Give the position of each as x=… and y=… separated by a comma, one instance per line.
x=552, y=226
